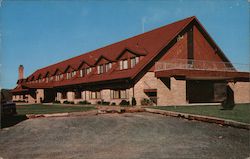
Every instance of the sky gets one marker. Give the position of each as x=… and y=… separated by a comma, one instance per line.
x=39, y=33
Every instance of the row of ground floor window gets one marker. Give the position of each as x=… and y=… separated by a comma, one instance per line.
x=152, y=90
x=107, y=97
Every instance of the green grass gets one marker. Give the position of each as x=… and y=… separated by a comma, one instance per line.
x=49, y=109
x=241, y=112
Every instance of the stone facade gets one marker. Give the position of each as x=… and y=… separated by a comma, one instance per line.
x=169, y=92
x=241, y=91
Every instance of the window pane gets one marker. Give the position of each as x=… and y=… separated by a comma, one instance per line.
x=123, y=93
x=136, y=60
x=125, y=64
x=98, y=69
x=132, y=62
x=98, y=95
x=78, y=95
x=101, y=68
x=121, y=63
x=116, y=94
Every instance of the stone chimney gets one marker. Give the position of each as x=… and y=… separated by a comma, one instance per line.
x=20, y=72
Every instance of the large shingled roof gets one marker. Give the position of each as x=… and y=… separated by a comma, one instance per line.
x=148, y=44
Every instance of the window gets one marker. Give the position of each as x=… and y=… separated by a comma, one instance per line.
x=51, y=78
x=100, y=69
x=134, y=61
x=78, y=95
x=57, y=77
x=88, y=70
x=119, y=94
x=81, y=73
x=95, y=95
x=61, y=76
x=47, y=79
x=108, y=66
x=68, y=75
x=123, y=64
x=73, y=73
x=64, y=95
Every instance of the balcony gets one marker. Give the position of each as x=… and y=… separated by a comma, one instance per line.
x=206, y=70
x=187, y=64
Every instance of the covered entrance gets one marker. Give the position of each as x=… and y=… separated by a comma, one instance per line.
x=205, y=91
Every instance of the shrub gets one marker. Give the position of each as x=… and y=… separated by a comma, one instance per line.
x=113, y=103
x=133, y=101
x=102, y=102
x=99, y=102
x=124, y=103
x=146, y=101
x=66, y=102
x=84, y=102
x=72, y=102
x=56, y=101
x=105, y=103
x=228, y=104
x=19, y=101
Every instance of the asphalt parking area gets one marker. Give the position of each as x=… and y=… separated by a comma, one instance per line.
x=123, y=136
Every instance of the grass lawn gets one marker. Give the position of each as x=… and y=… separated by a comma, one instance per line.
x=241, y=112
x=49, y=109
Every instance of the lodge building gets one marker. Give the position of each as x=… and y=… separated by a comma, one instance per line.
x=172, y=65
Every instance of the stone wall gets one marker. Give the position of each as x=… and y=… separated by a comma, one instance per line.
x=39, y=95
x=148, y=81
x=171, y=91
x=241, y=91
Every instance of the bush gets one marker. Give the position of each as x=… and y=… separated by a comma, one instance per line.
x=146, y=101
x=84, y=102
x=105, y=103
x=102, y=102
x=56, y=101
x=133, y=101
x=66, y=102
x=19, y=101
x=124, y=103
x=99, y=102
x=113, y=103
x=228, y=104
x=72, y=102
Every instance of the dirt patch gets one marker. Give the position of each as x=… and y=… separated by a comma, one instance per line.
x=129, y=135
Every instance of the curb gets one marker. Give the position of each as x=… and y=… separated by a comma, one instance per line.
x=202, y=118
x=32, y=116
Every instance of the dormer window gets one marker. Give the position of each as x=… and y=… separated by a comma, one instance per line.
x=100, y=69
x=47, y=79
x=58, y=77
x=73, y=73
x=108, y=66
x=134, y=61
x=81, y=73
x=88, y=70
x=68, y=75
x=51, y=78
x=123, y=64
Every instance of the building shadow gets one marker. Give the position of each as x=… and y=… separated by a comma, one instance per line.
x=9, y=121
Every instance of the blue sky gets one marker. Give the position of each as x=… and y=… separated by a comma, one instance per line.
x=38, y=33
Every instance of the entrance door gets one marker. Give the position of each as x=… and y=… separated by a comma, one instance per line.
x=199, y=91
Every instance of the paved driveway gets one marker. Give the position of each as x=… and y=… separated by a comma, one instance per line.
x=125, y=136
